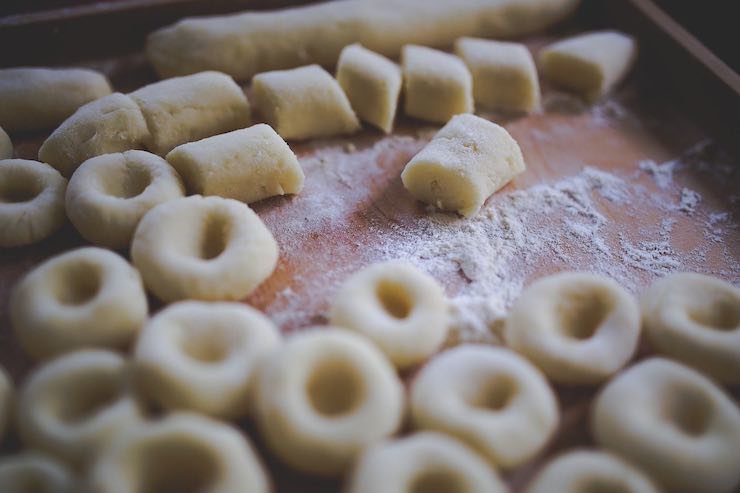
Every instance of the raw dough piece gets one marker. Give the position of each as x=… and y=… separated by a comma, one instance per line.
x=31, y=202
x=248, y=165
x=325, y=395
x=437, y=85
x=60, y=305
x=585, y=471
x=577, y=328
x=488, y=397
x=466, y=161
x=252, y=42
x=372, y=84
x=423, y=462
x=6, y=146
x=184, y=109
x=108, y=195
x=304, y=103
x=110, y=124
x=204, y=357
x=504, y=74
x=6, y=401
x=31, y=472
x=589, y=64
x=42, y=98
x=181, y=452
x=206, y=248
x=696, y=320
x=675, y=423
x=400, y=308
x=72, y=406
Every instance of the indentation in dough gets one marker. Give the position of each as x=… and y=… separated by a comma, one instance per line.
x=394, y=298
x=129, y=184
x=334, y=388
x=581, y=313
x=601, y=485
x=438, y=481
x=176, y=467
x=80, y=401
x=496, y=394
x=78, y=283
x=205, y=346
x=688, y=410
x=20, y=188
x=722, y=314
x=214, y=236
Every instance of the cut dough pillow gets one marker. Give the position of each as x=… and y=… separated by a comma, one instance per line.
x=6, y=146
x=589, y=64
x=468, y=160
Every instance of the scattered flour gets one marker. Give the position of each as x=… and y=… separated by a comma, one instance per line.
x=662, y=173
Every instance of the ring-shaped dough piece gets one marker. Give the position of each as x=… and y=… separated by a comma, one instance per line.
x=675, y=423
x=181, y=452
x=590, y=471
x=490, y=398
x=6, y=146
x=696, y=319
x=325, y=395
x=73, y=405
x=206, y=248
x=6, y=401
x=204, y=357
x=108, y=195
x=32, y=472
x=398, y=307
x=577, y=328
x=423, y=462
x=31, y=202
x=87, y=297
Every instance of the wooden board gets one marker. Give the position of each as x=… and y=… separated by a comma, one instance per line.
x=640, y=221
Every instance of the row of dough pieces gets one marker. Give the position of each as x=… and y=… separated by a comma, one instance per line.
x=327, y=397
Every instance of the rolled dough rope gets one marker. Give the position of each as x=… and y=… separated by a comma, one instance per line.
x=248, y=165
x=466, y=161
x=28, y=472
x=41, y=98
x=6, y=401
x=6, y=146
x=589, y=64
x=245, y=44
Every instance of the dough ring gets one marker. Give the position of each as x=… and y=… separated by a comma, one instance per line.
x=324, y=396
x=108, y=195
x=60, y=305
x=71, y=406
x=577, y=328
x=182, y=452
x=6, y=401
x=423, y=462
x=675, y=423
x=490, y=398
x=400, y=308
x=203, y=356
x=207, y=248
x=31, y=202
x=696, y=319
x=31, y=472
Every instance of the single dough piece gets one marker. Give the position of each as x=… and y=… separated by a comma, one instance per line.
x=468, y=160
x=437, y=85
x=31, y=202
x=400, y=308
x=110, y=124
x=250, y=164
x=696, y=320
x=108, y=195
x=6, y=401
x=73, y=405
x=488, y=397
x=31, y=472
x=82, y=298
x=6, y=146
x=372, y=84
x=182, y=452
x=577, y=328
x=680, y=428
x=423, y=462
x=206, y=248
x=304, y=103
x=504, y=74
x=252, y=42
x=184, y=109
x=41, y=98
x=586, y=471
x=204, y=357
x=325, y=395
x=589, y=64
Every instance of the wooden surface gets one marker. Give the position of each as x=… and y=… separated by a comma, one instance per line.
x=354, y=210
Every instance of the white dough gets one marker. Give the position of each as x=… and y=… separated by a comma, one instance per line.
x=467, y=160
x=589, y=64
x=504, y=74
x=400, y=308
x=437, y=85
x=372, y=84
x=6, y=401
x=304, y=103
x=32, y=472
x=6, y=146
x=248, y=165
